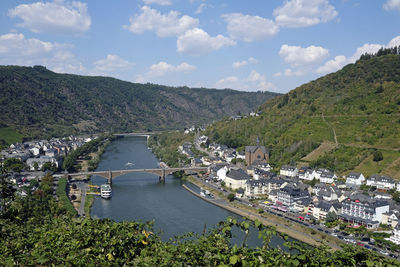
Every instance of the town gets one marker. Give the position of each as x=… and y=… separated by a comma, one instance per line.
x=354, y=208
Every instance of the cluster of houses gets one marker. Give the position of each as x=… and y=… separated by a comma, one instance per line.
x=291, y=189
x=36, y=153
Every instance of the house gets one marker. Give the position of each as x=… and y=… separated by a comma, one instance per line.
x=264, y=166
x=306, y=173
x=398, y=187
x=253, y=153
x=273, y=195
x=327, y=177
x=381, y=182
x=256, y=187
x=288, y=195
x=320, y=171
x=360, y=209
x=40, y=161
x=236, y=178
x=239, y=193
x=287, y=170
x=354, y=179
x=321, y=209
x=186, y=149
x=391, y=218
x=395, y=237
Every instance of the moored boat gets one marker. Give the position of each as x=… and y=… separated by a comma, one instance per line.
x=105, y=191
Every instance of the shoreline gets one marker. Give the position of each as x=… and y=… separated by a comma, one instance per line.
x=281, y=225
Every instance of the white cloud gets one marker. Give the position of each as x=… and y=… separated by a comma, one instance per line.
x=198, y=42
x=201, y=8
x=392, y=5
x=394, y=42
x=333, y=65
x=170, y=24
x=249, y=28
x=340, y=61
x=163, y=68
x=111, y=63
x=53, y=17
x=303, y=13
x=158, y=2
x=254, y=82
x=15, y=49
x=298, y=56
x=289, y=72
x=242, y=63
x=366, y=48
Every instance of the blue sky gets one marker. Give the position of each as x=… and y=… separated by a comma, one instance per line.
x=245, y=45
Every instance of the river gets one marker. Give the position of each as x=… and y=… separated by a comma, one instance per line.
x=140, y=196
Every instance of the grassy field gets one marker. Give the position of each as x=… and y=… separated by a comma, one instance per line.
x=390, y=165
x=326, y=146
x=10, y=135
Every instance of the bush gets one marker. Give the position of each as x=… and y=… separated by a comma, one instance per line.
x=231, y=197
x=377, y=155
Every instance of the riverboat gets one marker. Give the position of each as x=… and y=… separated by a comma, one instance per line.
x=105, y=191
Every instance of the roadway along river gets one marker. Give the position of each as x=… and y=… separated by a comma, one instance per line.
x=140, y=196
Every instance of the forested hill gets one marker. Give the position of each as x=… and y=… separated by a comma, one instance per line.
x=37, y=101
x=347, y=115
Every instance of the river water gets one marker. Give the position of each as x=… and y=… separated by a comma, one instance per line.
x=140, y=196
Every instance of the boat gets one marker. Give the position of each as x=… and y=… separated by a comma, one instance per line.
x=129, y=164
x=105, y=191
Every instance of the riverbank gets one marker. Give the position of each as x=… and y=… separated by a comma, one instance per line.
x=293, y=230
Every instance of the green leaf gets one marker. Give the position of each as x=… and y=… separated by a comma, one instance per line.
x=233, y=259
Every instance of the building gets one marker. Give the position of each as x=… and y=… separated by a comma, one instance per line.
x=391, y=219
x=306, y=173
x=381, y=182
x=327, y=177
x=360, y=209
x=321, y=209
x=236, y=178
x=287, y=170
x=354, y=179
x=256, y=153
x=395, y=237
x=288, y=196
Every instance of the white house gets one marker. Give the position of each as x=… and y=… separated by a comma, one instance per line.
x=327, y=177
x=395, y=237
x=236, y=178
x=360, y=209
x=355, y=179
x=287, y=170
x=381, y=182
x=306, y=173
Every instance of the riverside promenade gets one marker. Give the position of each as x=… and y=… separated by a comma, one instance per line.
x=295, y=231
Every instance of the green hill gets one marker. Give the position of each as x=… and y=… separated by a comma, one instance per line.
x=352, y=113
x=37, y=102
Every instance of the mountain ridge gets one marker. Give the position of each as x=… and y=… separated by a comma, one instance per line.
x=357, y=109
x=38, y=102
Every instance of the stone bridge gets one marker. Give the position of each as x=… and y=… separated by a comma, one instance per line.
x=161, y=172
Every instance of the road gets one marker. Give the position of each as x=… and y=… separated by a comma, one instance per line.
x=83, y=187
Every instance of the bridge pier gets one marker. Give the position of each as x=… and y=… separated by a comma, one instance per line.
x=162, y=177
x=110, y=178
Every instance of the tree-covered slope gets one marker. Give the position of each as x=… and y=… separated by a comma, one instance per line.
x=37, y=101
x=356, y=110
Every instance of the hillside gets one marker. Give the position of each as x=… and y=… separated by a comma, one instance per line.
x=37, y=102
x=352, y=113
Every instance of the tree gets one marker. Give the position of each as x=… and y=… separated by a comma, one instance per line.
x=331, y=217
x=6, y=191
x=377, y=155
x=48, y=166
x=13, y=164
x=231, y=197
x=35, y=166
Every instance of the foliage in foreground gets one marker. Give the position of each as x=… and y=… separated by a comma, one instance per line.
x=37, y=230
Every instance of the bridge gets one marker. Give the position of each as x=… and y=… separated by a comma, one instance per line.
x=147, y=134
x=161, y=172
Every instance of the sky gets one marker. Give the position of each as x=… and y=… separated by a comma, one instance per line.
x=256, y=45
